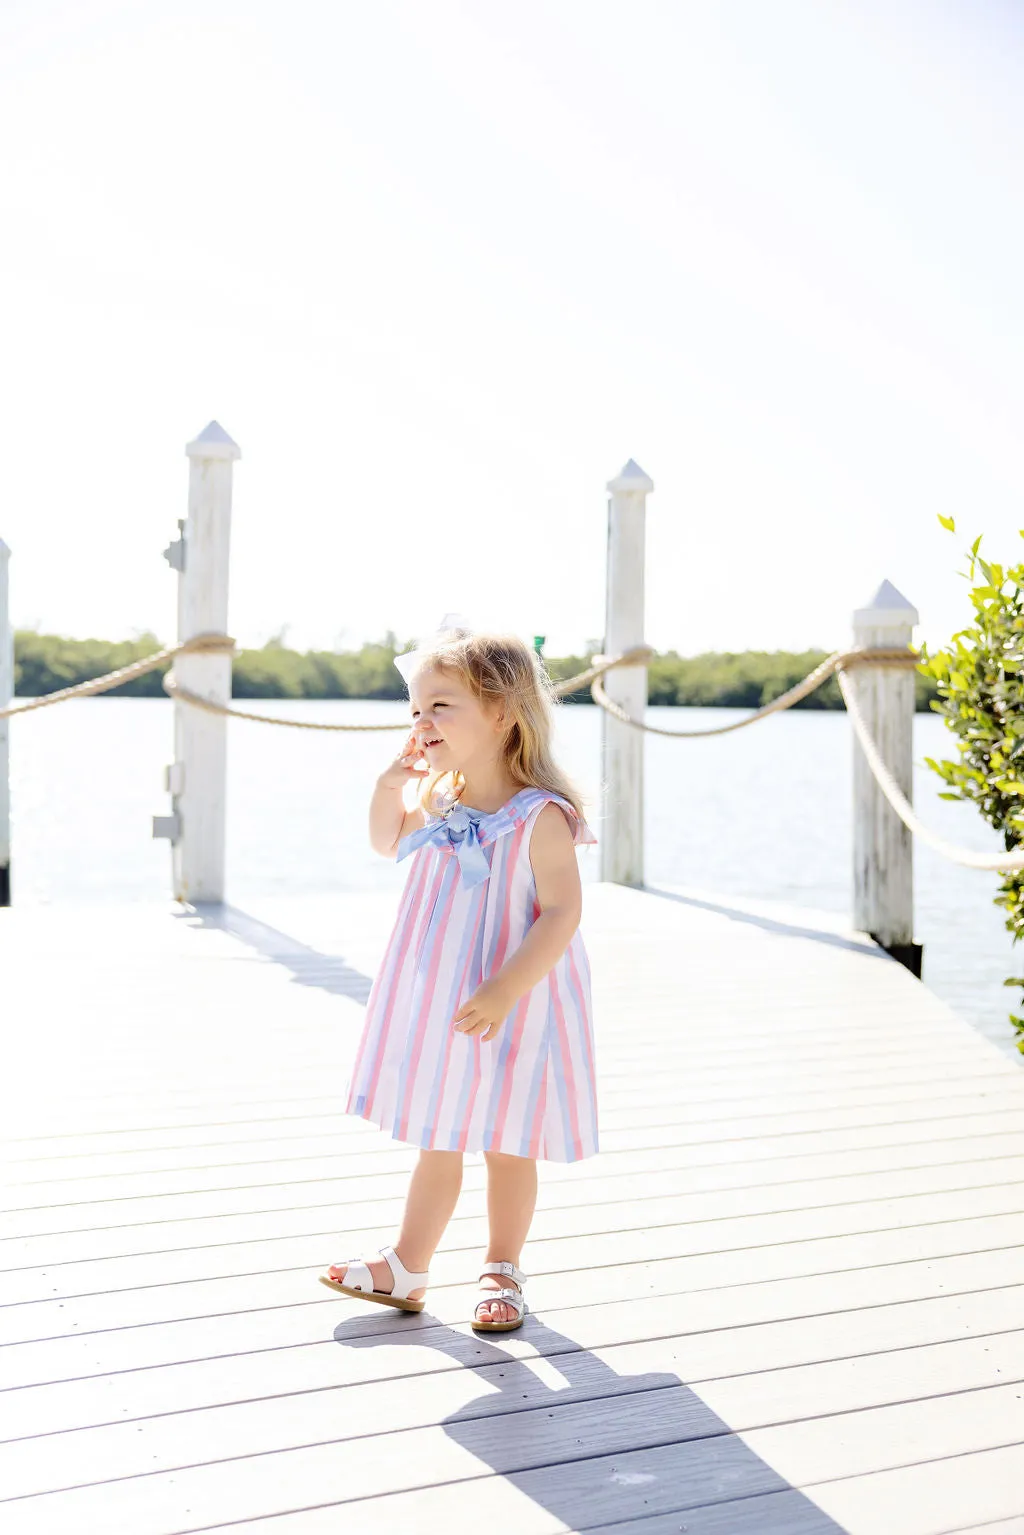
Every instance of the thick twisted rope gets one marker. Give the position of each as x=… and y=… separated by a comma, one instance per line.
x=1004, y=863
x=174, y=688
x=839, y=663
x=203, y=643
x=821, y=673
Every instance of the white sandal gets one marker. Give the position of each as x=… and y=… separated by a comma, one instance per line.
x=513, y=1298
x=359, y=1282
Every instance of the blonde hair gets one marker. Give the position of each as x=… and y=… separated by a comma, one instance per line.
x=501, y=669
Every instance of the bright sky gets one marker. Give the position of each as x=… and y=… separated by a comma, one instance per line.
x=440, y=269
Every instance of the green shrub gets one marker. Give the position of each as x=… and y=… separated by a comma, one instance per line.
x=980, y=681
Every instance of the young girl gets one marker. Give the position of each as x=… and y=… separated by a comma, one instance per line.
x=478, y=1031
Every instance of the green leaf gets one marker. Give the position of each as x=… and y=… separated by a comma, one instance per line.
x=947, y=522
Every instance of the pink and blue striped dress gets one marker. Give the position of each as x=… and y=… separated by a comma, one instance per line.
x=468, y=902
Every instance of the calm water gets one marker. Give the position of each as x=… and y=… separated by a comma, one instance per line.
x=764, y=812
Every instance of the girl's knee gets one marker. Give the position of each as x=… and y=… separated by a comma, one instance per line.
x=439, y=1158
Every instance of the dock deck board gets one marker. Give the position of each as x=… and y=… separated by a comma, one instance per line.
x=785, y=1298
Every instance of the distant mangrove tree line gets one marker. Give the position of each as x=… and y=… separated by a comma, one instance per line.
x=725, y=679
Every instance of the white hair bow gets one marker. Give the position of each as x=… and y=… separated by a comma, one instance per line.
x=451, y=625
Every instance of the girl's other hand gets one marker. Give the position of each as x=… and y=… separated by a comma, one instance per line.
x=406, y=765
x=485, y=1011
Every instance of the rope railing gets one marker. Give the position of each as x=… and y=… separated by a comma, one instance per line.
x=814, y=679
x=637, y=655
x=837, y=664
x=1003, y=863
x=204, y=643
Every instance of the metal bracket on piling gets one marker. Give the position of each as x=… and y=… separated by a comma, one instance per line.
x=168, y=826
x=174, y=554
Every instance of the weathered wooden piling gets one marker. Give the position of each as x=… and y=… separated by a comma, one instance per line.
x=883, y=847
x=197, y=778
x=621, y=838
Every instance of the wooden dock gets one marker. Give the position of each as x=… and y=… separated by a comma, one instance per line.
x=785, y=1300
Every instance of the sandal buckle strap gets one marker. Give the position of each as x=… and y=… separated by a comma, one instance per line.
x=513, y=1298
x=506, y=1270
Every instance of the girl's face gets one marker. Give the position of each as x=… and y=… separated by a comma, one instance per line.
x=452, y=727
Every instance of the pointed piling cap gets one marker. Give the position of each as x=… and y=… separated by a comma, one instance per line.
x=631, y=477
x=887, y=609
x=213, y=442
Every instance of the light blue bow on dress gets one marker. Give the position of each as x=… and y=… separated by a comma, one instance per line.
x=460, y=829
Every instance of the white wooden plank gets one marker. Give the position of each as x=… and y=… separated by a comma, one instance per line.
x=751, y=1331
x=820, y=1449
x=54, y=1317
x=687, y=1126
x=558, y=1182
x=85, y=1275
x=785, y=1512
x=180, y=1429
x=185, y=1438
x=774, y=1513
x=351, y=1469
x=743, y=1078
x=934, y=1497
x=698, y=1148
x=586, y=1307
x=543, y=1458
x=995, y=1527
x=594, y=1199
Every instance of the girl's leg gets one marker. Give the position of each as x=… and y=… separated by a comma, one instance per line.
x=429, y=1203
x=511, y=1201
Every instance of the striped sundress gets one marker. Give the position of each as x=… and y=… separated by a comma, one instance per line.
x=468, y=902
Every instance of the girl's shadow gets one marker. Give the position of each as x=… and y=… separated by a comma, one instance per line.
x=602, y=1449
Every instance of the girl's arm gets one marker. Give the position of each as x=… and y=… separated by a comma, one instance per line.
x=560, y=897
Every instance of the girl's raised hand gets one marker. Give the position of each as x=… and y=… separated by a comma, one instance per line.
x=406, y=765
